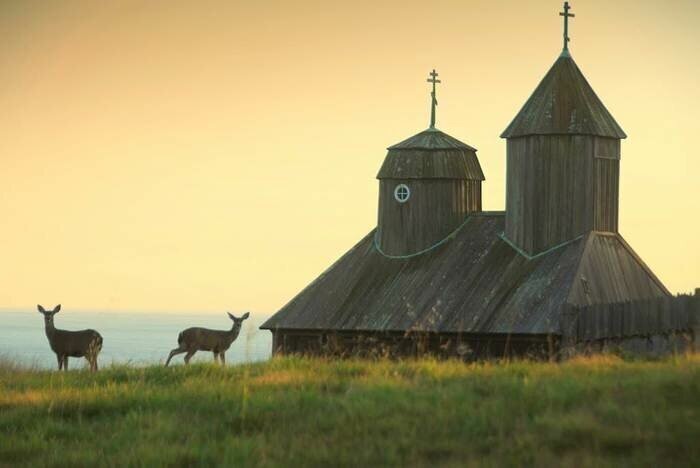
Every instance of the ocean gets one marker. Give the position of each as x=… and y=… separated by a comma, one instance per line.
x=134, y=338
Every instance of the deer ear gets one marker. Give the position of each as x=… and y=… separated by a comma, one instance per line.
x=40, y=309
x=57, y=309
x=245, y=316
x=231, y=316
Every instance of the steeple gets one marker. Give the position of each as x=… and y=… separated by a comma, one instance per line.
x=564, y=103
x=563, y=158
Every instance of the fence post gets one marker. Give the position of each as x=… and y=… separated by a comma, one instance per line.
x=694, y=319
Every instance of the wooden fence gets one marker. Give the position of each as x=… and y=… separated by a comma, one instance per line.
x=642, y=318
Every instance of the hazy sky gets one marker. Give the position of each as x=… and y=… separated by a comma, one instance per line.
x=207, y=155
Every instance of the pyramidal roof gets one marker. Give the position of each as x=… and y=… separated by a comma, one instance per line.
x=431, y=139
x=564, y=103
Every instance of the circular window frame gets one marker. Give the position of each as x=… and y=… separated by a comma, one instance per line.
x=402, y=193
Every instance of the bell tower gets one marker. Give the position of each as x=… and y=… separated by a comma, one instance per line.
x=563, y=161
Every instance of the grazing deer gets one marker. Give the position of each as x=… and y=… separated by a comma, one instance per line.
x=203, y=339
x=83, y=343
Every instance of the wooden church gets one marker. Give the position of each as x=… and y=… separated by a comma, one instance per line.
x=439, y=275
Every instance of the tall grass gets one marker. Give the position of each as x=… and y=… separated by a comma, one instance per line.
x=600, y=411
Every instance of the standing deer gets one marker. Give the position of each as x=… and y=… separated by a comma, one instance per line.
x=83, y=343
x=203, y=339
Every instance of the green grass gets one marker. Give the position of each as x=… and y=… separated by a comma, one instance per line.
x=600, y=411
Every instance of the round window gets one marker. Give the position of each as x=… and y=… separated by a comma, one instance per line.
x=401, y=193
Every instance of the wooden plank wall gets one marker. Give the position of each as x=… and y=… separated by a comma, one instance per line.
x=435, y=208
x=408, y=344
x=607, y=187
x=559, y=187
x=607, y=184
x=550, y=190
x=641, y=318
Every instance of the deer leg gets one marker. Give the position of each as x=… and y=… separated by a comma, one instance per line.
x=92, y=360
x=174, y=352
x=222, y=357
x=59, y=358
x=189, y=355
x=65, y=363
x=216, y=356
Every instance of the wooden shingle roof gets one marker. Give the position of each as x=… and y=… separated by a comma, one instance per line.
x=474, y=283
x=564, y=103
x=419, y=164
x=431, y=139
x=431, y=154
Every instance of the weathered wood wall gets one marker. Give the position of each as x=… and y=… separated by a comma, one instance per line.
x=606, y=153
x=560, y=187
x=435, y=209
x=607, y=186
x=549, y=194
x=648, y=319
x=410, y=344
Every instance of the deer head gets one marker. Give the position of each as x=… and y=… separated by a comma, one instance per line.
x=238, y=321
x=48, y=314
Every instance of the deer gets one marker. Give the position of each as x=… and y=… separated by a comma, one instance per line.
x=82, y=343
x=203, y=339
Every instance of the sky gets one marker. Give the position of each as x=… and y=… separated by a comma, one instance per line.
x=219, y=155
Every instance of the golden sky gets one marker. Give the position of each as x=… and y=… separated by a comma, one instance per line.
x=216, y=154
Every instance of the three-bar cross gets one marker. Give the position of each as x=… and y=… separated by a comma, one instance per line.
x=566, y=16
x=433, y=79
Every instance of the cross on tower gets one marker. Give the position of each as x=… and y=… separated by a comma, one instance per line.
x=566, y=16
x=433, y=79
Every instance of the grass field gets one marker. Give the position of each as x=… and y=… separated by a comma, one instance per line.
x=293, y=411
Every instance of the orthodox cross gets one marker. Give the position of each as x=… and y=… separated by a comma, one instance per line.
x=433, y=79
x=566, y=16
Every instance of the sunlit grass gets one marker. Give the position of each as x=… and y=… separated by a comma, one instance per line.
x=592, y=411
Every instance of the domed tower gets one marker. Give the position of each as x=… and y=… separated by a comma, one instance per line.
x=563, y=161
x=428, y=185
